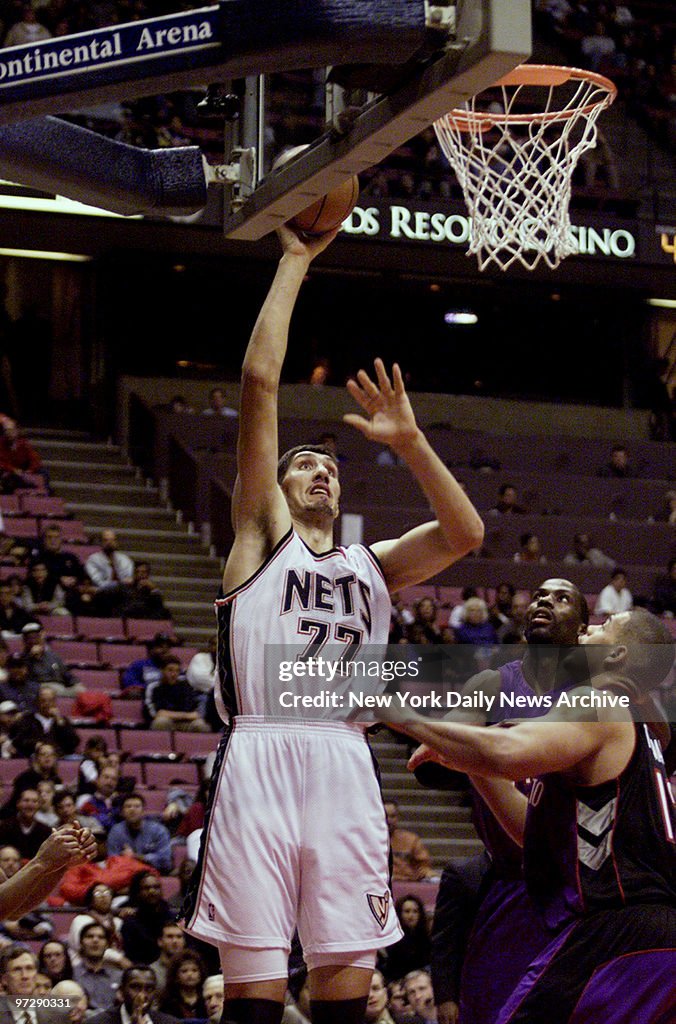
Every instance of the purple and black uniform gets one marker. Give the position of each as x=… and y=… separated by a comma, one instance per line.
x=600, y=865
x=508, y=933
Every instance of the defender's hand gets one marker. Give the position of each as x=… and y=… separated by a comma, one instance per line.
x=389, y=416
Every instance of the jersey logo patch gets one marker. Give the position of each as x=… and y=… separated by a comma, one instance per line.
x=595, y=833
x=379, y=907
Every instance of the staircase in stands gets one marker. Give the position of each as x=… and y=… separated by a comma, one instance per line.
x=102, y=489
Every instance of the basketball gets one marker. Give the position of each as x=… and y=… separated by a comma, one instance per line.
x=330, y=211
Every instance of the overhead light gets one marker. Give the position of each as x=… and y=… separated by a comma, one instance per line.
x=39, y=254
x=455, y=317
x=662, y=303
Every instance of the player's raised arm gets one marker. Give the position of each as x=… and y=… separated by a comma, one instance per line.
x=426, y=550
x=260, y=514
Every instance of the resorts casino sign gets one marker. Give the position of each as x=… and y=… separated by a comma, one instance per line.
x=425, y=223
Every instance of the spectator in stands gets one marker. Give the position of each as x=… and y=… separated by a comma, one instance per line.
x=182, y=996
x=501, y=609
x=171, y=941
x=111, y=571
x=45, y=666
x=99, y=979
x=93, y=759
x=140, y=837
x=507, y=502
x=476, y=628
x=76, y=997
x=41, y=765
x=584, y=553
x=144, y=600
x=664, y=592
x=410, y=860
x=457, y=616
x=9, y=720
x=201, y=672
x=17, y=458
x=22, y=830
x=597, y=47
x=46, y=723
x=418, y=988
x=149, y=913
x=376, y=1006
x=41, y=594
x=297, y=1010
x=46, y=791
x=424, y=628
x=212, y=993
x=20, y=689
x=184, y=875
x=65, y=569
x=179, y=404
x=397, y=1002
x=618, y=465
x=616, y=596
x=12, y=616
x=412, y=951
x=101, y=804
x=54, y=961
x=31, y=926
x=4, y=655
x=67, y=813
x=138, y=987
x=668, y=512
x=98, y=901
x=171, y=703
x=18, y=971
x=217, y=405
x=530, y=550
x=147, y=670
x=27, y=30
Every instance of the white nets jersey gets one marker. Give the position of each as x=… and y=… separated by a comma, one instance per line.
x=299, y=605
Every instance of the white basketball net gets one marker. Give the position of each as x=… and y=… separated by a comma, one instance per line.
x=515, y=169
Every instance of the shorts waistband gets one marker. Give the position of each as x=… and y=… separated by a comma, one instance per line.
x=314, y=727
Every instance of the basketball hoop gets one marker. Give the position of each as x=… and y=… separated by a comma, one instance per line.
x=515, y=167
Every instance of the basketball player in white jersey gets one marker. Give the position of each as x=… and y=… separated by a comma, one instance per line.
x=295, y=833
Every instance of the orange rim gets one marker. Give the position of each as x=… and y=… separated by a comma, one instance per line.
x=535, y=74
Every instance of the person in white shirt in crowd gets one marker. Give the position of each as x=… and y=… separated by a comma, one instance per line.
x=616, y=597
x=212, y=993
x=112, y=572
x=201, y=672
x=217, y=405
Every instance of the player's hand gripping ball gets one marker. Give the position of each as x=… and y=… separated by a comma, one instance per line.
x=328, y=212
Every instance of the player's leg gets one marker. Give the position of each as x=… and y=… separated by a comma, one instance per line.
x=339, y=991
x=255, y=984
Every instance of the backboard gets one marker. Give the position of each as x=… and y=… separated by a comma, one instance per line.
x=396, y=66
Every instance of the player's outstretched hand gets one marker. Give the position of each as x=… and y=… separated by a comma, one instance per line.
x=295, y=244
x=422, y=755
x=65, y=846
x=389, y=417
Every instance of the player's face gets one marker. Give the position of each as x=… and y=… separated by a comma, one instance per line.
x=608, y=632
x=311, y=485
x=554, y=614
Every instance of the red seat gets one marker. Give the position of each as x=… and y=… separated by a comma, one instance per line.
x=142, y=630
x=43, y=505
x=192, y=744
x=106, y=680
x=67, y=769
x=93, y=628
x=21, y=526
x=134, y=770
x=155, y=800
x=170, y=884
x=13, y=570
x=109, y=737
x=73, y=531
x=145, y=741
x=77, y=652
x=120, y=655
x=127, y=712
x=58, y=627
x=184, y=655
x=65, y=705
x=9, y=505
x=162, y=774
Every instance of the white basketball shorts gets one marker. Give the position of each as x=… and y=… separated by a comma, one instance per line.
x=296, y=837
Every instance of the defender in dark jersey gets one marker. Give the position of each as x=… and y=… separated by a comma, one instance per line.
x=598, y=834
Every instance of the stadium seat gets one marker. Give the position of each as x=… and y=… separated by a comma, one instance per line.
x=58, y=627
x=13, y=570
x=77, y=652
x=106, y=680
x=72, y=531
x=184, y=655
x=109, y=736
x=9, y=505
x=133, y=770
x=161, y=774
x=67, y=769
x=21, y=526
x=127, y=712
x=43, y=505
x=93, y=628
x=170, y=885
x=142, y=630
x=120, y=655
x=195, y=744
x=138, y=743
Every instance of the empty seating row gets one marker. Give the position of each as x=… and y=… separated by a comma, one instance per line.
x=87, y=627
x=31, y=504
x=106, y=653
x=72, y=530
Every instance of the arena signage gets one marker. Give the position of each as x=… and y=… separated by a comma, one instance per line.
x=406, y=223
x=174, y=36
